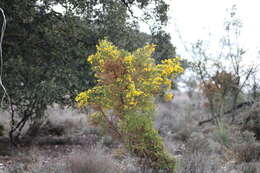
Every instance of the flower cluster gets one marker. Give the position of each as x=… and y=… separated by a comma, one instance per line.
x=135, y=77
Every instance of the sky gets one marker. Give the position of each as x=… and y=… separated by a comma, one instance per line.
x=191, y=20
x=197, y=19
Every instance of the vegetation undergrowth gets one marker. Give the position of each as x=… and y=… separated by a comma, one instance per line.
x=127, y=84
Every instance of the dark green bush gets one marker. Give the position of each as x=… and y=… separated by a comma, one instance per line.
x=1, y=130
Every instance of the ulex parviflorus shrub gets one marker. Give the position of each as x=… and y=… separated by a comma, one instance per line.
x=127, y=84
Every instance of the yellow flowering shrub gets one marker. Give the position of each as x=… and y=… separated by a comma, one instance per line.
x=127, y=84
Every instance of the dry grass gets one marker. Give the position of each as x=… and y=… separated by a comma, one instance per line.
x=197, y=163
x=175, y=118
x=247, y=152
x=92, y=161
x=72, y=120
x=249, y=167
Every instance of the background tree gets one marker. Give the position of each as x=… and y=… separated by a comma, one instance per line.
x=45, y=50
x=228, y=59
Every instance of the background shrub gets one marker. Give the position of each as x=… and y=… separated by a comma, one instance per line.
x=197, y=163
x=92, y=161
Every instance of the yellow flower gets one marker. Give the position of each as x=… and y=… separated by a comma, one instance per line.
x=168, y=97
x=157, y=81
x=132, y=103
x=148, y=68
x=149, y=49
x=129, y=59
x=137, y=93
x=101, y=62
x=90, y=59
x=82, y=99
x=129, y=78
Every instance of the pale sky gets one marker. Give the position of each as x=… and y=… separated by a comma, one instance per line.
x=195, y=19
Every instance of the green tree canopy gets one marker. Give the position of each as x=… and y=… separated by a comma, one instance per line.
x=44, y=50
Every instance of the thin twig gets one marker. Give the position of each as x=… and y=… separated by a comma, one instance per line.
x=1, y=58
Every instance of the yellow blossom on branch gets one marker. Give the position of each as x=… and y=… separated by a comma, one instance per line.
x=168, y=97
x=134, y=75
